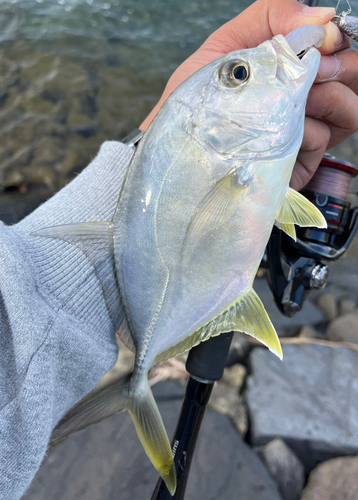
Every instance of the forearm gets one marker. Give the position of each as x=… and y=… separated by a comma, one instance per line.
x=56, y=336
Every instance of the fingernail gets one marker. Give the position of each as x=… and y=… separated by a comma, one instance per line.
x=328, y=68
x=318, y=11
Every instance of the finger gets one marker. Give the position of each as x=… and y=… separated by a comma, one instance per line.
x=265, y=19
x=340, y=67
x=315, y=140
x=334, y=103
x=334, y=40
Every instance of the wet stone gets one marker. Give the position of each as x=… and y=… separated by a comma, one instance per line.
x=107, y=461
x=310, y=400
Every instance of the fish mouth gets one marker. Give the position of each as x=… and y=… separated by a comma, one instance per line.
x=303, y=39
x=297, y=58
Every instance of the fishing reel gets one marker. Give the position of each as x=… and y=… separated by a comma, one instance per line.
x=297, y=267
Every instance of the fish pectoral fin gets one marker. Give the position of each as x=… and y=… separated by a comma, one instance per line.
x=215, y=209
x=296, y=209
x=145, y=415
x=287, y=228
x=246, y=314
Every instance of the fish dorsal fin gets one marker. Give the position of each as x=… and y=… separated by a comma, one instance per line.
x=296, y=209
x=94, y=239
x=287, y=228
x=246, y=314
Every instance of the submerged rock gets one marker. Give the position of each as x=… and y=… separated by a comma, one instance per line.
x=310, y=400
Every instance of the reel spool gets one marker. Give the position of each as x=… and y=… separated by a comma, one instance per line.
x=295, y=268
x=328, y=190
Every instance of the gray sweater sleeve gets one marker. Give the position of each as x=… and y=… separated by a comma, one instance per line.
x=56, y=336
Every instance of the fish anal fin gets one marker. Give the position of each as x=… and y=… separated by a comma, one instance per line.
x=287, y=228
x=296, y=209
x=246, y=314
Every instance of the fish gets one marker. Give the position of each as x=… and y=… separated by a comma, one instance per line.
x=208, y=182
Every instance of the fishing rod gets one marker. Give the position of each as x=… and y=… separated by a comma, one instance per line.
x=294, y=269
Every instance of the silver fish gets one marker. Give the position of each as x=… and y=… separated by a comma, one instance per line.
x=209, y=180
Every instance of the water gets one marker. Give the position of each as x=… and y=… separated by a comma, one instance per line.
x=74, y=73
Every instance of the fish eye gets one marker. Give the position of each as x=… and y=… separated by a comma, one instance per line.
x=240, y=73
x=233, y=74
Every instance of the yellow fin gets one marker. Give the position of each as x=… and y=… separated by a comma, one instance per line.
x=287, y=228
x=246, y=314
x=296, y=209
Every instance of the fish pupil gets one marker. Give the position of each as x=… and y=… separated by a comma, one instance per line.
x=240, y=73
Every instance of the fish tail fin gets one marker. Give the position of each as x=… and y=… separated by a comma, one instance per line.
x=152, y=434
x=144, y=412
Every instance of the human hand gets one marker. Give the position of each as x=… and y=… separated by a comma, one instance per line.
x=264, y=19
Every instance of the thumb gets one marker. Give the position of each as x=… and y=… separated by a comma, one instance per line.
x=263, y=20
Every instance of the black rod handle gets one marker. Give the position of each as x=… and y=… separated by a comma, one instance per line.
x=206, y=363
x=196, y=397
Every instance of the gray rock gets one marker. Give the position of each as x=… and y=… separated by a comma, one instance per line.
x=107, y=461
x=333, y=480
x=328, y=305
x=346, y=306
x=285, y=467
x=310, y=314
x=310, y=400
x=234, y=376
x=227, y=401
x=344, y=328
x=308, y=332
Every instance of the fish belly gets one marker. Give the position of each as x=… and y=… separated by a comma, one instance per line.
x=170, y=288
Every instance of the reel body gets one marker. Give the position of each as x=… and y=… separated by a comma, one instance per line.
x=296, y=267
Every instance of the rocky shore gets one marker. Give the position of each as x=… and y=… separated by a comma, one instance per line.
x=273, y=431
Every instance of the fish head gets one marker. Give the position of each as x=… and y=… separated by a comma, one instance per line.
x=252, y=101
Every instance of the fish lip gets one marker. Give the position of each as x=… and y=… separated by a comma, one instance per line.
x=304, y=38
x=298, y=47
